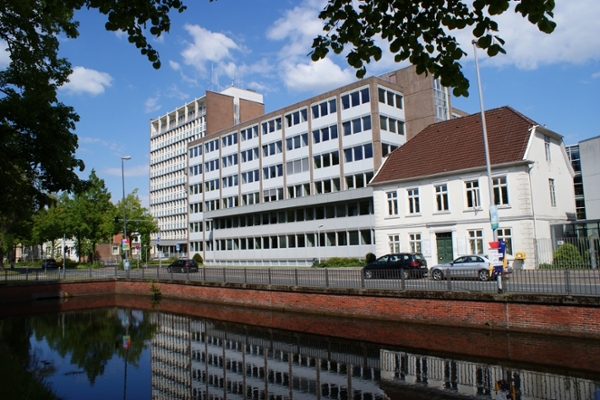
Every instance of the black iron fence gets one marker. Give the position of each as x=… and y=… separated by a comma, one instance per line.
x=566, y=282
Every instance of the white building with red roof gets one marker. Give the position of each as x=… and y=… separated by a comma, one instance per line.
x=431, y=195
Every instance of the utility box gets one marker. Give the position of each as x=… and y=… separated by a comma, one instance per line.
x=520, y=255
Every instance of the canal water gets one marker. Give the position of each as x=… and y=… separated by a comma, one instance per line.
x=154, y=352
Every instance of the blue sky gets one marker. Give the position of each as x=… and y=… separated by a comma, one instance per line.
x=263, y=45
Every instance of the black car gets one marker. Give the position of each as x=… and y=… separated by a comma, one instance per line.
x=183, y=266
x=49, y=263
x=397, y=265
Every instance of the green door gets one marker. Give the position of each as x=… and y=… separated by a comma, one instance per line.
x=444, y=247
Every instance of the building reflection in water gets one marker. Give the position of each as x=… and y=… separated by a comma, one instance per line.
x=204, y=359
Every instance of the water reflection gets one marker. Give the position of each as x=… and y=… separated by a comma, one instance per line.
x=141, y=354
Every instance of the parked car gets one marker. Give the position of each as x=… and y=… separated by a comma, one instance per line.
x=183, y=266
x=49, y=263
x=397, y=265
x=470, y=266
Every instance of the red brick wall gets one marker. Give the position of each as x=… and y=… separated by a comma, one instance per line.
x=546, y=315
x=219, y=112
x=250, y=109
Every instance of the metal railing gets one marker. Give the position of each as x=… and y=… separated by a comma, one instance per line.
x=565, y=282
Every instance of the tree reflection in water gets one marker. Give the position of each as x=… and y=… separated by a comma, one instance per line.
x=199, y=358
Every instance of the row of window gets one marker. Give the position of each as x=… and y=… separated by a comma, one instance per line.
x=297, y=141
x=474, y=237
x=391, y=125
x=442, y=203
x=229, y=140
x=296, y=117
x=302, y=240
x=390, y=98
x=272, y=148
x=355, y=98
x=324, y=186
x=324, y=108
x=357, y=125
x=329, y=211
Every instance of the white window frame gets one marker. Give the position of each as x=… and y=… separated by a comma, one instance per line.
x=476, y=241
x=415, y=242
x=552, y=188
x=414, y=205
x=441, y=197
x=472, y=194
x=500, y=189
x=547, y=143
x=394, y=243
x=392, y=202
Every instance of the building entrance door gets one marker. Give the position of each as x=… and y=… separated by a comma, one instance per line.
x=444, y=247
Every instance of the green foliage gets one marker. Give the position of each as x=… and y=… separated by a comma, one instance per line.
x=155, y=292
x=18, y=381
x=37, y=143
x=198, y=258
x=567, y=256
x=340, y=262
x=420, y=31
x=370, y=257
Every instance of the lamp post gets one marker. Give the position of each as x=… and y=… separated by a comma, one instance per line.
x=319, y=243
x=124, y=215
x=493, y=210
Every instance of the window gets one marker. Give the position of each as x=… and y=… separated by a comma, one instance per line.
x=355, y=98
x=390, y=98
x=441, y=197
x=324, y=108
x=394, y=241
x=552, y=192
x=392, y=200
x=356, y=125
x=415, y=242
x=391, y=125
x=500, y=190
x=472, y=188
x=506, y=235
x=547, y=148
x=413, y=201
x=476, y=242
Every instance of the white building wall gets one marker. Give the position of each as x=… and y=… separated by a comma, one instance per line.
x=589, y=151
x=528, y=214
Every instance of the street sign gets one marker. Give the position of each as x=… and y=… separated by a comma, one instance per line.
x=158, y=239
x=125, y=244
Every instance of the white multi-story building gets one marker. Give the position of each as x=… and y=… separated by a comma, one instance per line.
x=433, y=196
x=290, y=186
x=169, y=137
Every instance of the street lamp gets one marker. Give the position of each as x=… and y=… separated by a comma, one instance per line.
x=493, y=210
x=319, y=243
x=124, y=216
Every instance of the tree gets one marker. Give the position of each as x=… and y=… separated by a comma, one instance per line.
x=37, y=143
x=419, y=31
x=138, y=219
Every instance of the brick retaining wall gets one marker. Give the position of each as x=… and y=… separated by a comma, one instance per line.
x=556, y=315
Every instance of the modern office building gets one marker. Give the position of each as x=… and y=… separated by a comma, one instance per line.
x=169, y=137
x=290, y=186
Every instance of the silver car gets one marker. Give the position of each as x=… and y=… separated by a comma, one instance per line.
x=470, y=266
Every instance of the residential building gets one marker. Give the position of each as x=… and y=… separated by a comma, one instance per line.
x=290, y=186
x=433, y=194
x=169, y=137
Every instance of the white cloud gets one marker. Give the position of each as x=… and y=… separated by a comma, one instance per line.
x=175, y=92
x=130, y=170
x=207, y=47
x=572, y=42
x=83, y=80
x=317, y=76
x=596, y=75
x=151, y=105
x=174, y=65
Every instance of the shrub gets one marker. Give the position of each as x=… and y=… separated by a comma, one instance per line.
x=369, y=258
x=339, y=262
x=567, y=256
x=198, y=258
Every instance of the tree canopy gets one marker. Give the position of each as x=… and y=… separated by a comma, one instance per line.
x=420, y=31
x=37, y=140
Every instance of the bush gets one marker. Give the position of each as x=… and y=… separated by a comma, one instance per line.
x=340, y=262
x=370, y=257
x=198, y=258
x=567, y=256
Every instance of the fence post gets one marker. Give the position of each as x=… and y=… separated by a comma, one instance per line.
x=116, y=267
x=593, y=251
x=90, y=271
x=204, y=273
x=224, y=275
x=296, y=276
x=269, y=275
x=448, y=280
x=158, y=273
x=567, y=282
x=326, y=277
x=362, y=280
x=402, y=280
x=245, y=275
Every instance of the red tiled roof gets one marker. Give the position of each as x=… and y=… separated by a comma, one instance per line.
x=457, y=145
